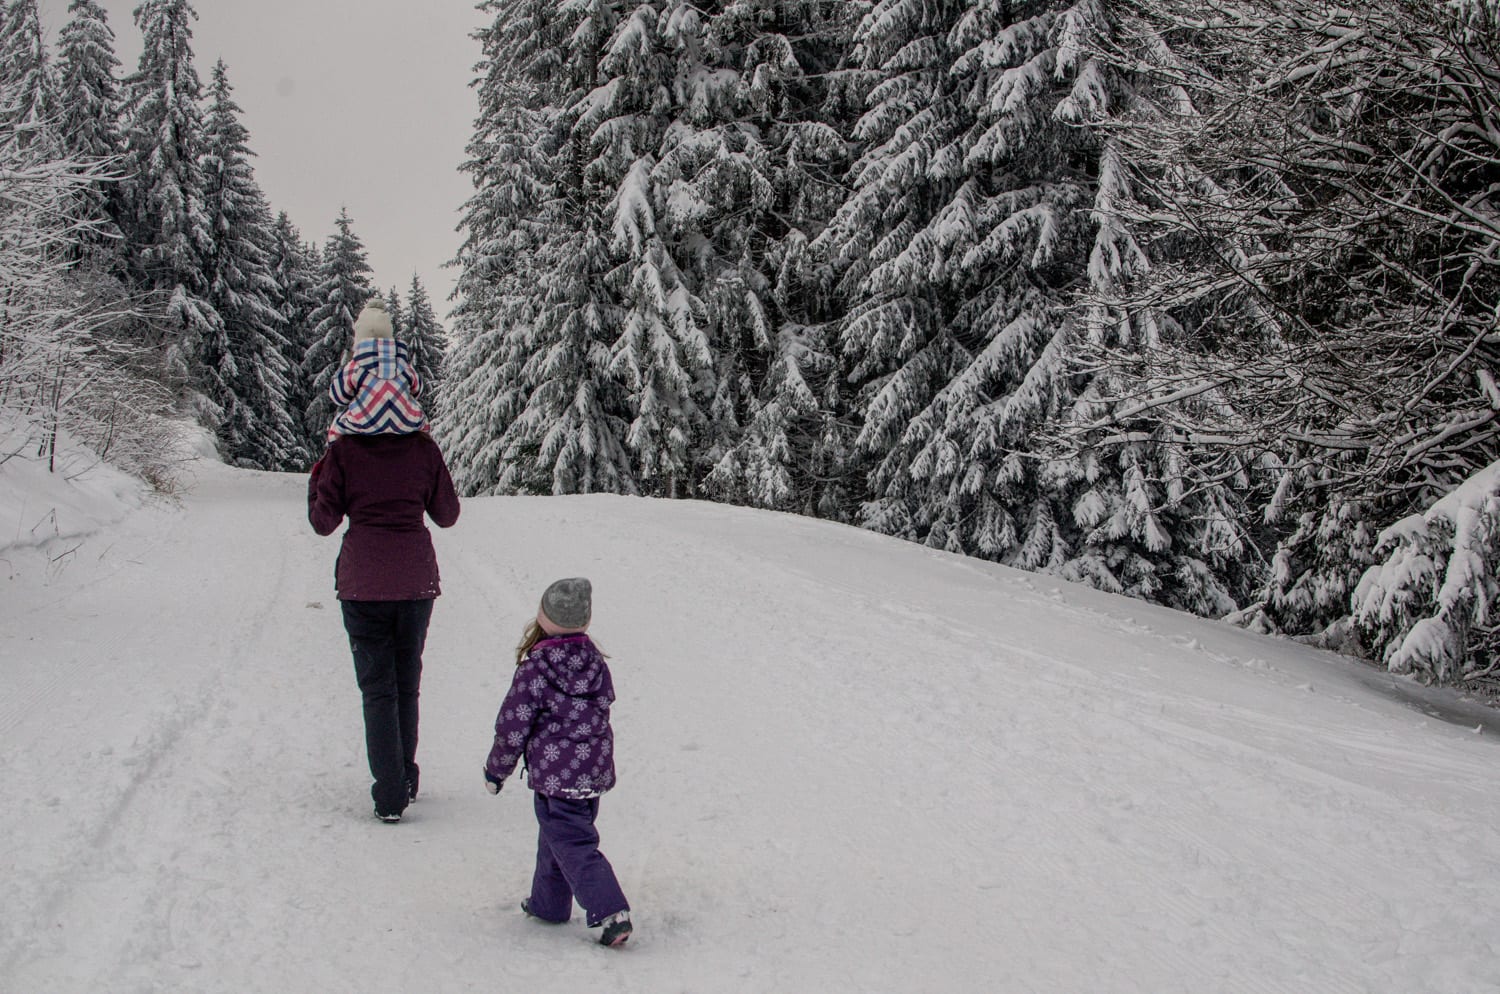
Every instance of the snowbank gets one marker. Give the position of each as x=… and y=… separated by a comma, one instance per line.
x=51, y=506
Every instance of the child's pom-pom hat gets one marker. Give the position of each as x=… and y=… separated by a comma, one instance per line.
x=566, y=606
x=373, y=322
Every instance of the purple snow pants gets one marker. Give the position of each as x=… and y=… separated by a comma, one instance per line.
x=569, y=863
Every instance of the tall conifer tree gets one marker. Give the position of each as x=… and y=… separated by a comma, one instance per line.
x=708, y=139
x=89, y=124
x=28, y=99
x=981, y=207
x=426, y=344
x=661, y=350
x=343, y=289
x=775, y=438
x=259, y=429
x=396, y=311
x=532, y=405
x=295, y=268
x=168, y=223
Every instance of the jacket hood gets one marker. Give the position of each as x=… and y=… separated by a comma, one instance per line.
x=382, y=356
x=571, y=664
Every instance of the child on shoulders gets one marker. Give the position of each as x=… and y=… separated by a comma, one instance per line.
x=377, y=386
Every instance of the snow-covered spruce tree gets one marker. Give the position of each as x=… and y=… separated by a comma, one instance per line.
x=343, y=288
x=530, y=406
x=28, y=102
x=89, y=126
x=259, y=429
x=682, y=154
x=896, y=344
x=569, y=437
x=167, y=222
x=484, y=390
x=426, y=343
x=1430, y=600
x=294, y=267
x=1318, y=189
x=981, y=208
x=703, y=131
x=749, y=171
x=611, y=105
x=661, y=352
x=396, y=311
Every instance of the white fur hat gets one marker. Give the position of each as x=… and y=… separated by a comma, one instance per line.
x=373, y=322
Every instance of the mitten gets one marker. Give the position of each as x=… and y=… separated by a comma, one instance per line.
x=492, y=783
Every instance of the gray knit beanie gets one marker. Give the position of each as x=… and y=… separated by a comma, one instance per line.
x=566, y=606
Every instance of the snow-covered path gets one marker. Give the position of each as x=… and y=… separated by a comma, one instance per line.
x=846, y=764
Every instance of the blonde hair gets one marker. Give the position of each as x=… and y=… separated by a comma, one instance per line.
x=530, y=636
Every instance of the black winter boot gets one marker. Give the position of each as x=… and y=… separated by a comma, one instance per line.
x=616, y=929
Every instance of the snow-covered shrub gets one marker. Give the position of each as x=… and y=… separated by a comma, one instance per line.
x=66, y=362
x=1427, y=604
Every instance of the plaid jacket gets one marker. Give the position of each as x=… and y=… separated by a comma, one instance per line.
x=380, y=388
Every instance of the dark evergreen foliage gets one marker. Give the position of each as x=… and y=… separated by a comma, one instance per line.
x=342, y=290
x=89, y=126
x=426, y=344
x=167, y=220
x=257, y=428
x=294, y=267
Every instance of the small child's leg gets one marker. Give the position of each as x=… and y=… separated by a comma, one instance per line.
x=568, y=833
x=551, y=898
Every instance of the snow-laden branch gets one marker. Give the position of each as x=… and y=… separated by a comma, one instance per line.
x=1428, y=603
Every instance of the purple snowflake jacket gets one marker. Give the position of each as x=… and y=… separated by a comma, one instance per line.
x=556, y=714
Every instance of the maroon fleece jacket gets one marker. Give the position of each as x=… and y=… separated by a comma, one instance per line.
x=384, y=484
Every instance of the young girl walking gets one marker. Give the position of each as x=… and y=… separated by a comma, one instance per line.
x=555, y=718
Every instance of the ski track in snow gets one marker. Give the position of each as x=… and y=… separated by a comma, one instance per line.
x=846, y=764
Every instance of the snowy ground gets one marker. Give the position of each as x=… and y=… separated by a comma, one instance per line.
x=847, y=764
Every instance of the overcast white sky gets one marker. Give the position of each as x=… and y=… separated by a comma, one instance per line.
x=357, y=103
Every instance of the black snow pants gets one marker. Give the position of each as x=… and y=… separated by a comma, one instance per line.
x=387, y=639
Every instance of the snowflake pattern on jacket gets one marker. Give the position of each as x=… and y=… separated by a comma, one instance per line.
x=556, y=714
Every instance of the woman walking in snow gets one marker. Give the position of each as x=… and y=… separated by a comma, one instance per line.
x=555, y=718
x=387, y=579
